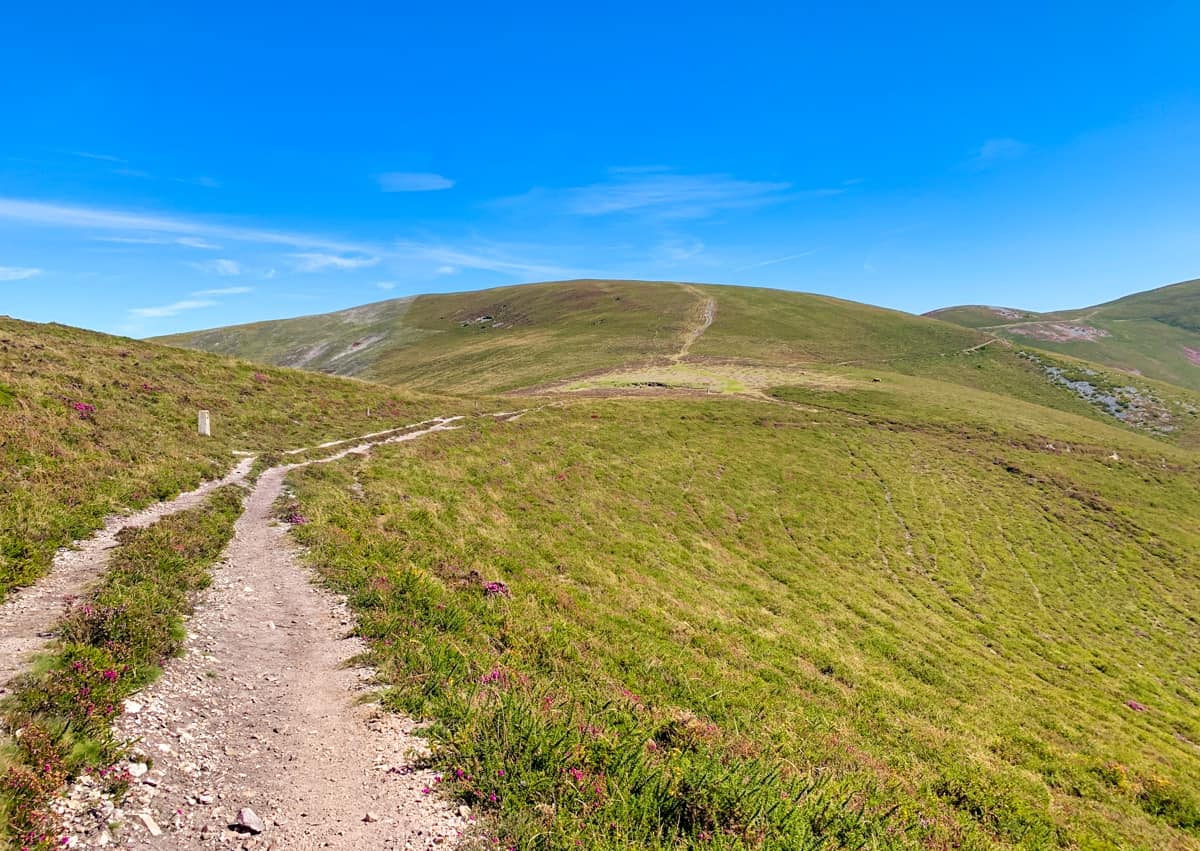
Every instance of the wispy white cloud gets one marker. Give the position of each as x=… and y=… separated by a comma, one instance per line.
x=995, y=151
x=171, y=309
x=224, y=267
x=206, y=182
x=18, y=273
x=99, y=218
x=665, y=195
x=678, y=249
x=186, y=241
x=108, y=158
x=447, y=270
x=771, y=262
x=386, y=285
x=224, y=291
x=488, y=258
x=316, y=261
x=413, y=181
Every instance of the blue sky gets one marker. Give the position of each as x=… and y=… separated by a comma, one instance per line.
x=171, y=168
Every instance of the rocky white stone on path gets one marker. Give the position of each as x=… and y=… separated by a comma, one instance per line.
x=268, y=720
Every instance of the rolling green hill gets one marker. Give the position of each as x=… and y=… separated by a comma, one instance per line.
x=750, y=570
x=526, y=336
x=1154, y=333
x=91, y=424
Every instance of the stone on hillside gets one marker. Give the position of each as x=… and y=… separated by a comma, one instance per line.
x=137, y=769
x=248, y=820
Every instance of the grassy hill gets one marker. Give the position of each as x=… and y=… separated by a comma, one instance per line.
x=91, y=424
x=526, y=336
x=1154, y=333
x=903, y=614
x=755, y=570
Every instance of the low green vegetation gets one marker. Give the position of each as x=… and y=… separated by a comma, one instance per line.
x=110, y=644
x=1154, y=333
x=92, y=424
x=902, y=614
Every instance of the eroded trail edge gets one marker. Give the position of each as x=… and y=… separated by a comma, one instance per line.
x=29, y=614
x=263, y=712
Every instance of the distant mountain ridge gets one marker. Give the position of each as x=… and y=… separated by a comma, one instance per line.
x=1154, y=333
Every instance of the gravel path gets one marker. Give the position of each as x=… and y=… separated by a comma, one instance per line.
x=29, y=614
x=263, y=712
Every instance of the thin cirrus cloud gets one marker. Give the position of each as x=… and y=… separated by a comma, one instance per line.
x=657, y=192
x=172, y=309
x=995, y=151
x=318, y=262
x=223, y=267
x=316, y=251
x=18, y=273
x=224, y=291
x=185, y=241
x=488, y=258
x=775, y=260
x=412, y=181
x=100, y=219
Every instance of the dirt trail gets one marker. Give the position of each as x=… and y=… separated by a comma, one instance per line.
x=29, y=614
x=263, y=711
x=708, y=314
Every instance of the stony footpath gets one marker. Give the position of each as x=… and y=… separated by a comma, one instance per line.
x=28, y=615
x=259, y=736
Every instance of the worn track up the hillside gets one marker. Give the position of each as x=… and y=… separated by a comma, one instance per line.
x=28, y=615
x=708, y=312
x=264, y=711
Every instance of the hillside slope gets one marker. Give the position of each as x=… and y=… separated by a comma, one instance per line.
x=91, y=424
x=518, y=337
x=894, y=614
x=1154, y=333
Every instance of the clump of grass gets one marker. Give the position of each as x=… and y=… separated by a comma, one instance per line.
x=111, y=644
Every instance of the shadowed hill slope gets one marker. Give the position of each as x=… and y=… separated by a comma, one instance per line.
x=1154, y=333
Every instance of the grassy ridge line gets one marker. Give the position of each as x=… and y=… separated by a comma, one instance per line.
x=982, y=632
x=92, y=425
x=111, y=644
x=1156, y=332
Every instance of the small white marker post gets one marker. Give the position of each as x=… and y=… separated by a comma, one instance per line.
x=202, y=424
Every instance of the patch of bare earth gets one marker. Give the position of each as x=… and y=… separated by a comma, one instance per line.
x=1192, y=354
x=1060, y=332
x=29, y=614
x=261, y=734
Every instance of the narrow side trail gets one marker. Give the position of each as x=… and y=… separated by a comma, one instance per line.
x=264, y=712
x=29, y=613
x=708, y=312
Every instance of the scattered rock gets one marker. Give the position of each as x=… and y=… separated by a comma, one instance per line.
x=248, y=821
x=370, y=817
x=151, y=824
x=137, y=769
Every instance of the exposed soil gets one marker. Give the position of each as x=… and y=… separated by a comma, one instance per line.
x=707, y=315
x=265, y=711
x=28, y=615
x=1060, y=332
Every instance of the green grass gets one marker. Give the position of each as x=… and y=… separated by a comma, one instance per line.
x=111, y=644
x=1148, y=332
x=541, y=333
x=906, y=615
x=62, y=470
